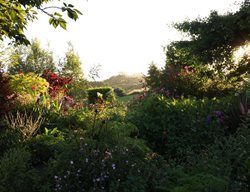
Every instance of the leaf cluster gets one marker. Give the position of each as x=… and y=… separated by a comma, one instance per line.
x=213, y=39
x=15, y=15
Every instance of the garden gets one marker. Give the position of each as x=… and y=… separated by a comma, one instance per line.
x=188, y=131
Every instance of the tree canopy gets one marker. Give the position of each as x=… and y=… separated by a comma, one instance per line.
x=31, y=58
x=204, y=63
x=71, y=65
x=213, y=39
x=15, y=15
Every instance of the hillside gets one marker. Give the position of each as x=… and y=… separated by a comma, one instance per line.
x=127, y=82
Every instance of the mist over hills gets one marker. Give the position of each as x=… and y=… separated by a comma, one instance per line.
x=127, y=82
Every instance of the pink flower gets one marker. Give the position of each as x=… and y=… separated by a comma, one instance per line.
x=242, y=108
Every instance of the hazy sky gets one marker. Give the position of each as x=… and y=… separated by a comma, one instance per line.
x=123, y=35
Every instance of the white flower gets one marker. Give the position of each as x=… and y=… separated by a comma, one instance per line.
x=71, y=162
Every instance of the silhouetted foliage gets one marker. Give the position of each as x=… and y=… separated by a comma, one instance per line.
x=6, y=95
x=16, y=14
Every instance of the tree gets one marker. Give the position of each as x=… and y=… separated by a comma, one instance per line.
x=215, y=38
x=71, y=66
x=15, y=15
x=153, y=79
x=31, y=58
x=204, y=64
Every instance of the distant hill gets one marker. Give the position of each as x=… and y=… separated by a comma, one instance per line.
x=127, y=82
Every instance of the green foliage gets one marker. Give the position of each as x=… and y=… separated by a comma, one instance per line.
x=153, y=78
x=15, y=15
x=28, y=87
x=128, y=98
x=87, y=165
x=9, y=138
x=16, y=174
x=201, y=183
x=105, y=93
x=44, y=147
x=78, y=90
x=6, y=94
x=119, y=92
x=71, y=65
x=204, y=64
x=31, y=58
x=177, y=127
x=132, y=184
x=72, y=120
x=83, y=166
x=214, y=38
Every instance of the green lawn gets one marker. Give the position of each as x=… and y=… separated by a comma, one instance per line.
x=127, y=98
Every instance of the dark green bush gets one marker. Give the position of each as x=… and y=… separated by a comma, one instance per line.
x=105, y=93
x=106, y=158
x=16, y=174
x=201, y=183
x=9, y=138
x=84, y=166
x=174, y=128
x=44, y=147
x=119, y=92
x=227, y=159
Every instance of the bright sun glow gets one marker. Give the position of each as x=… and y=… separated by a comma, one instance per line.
x=123, y=35
x=242, y=51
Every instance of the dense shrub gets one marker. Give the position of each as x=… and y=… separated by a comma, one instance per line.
x=119, y=92
x=57, y=84
x=9, y=138
x=16, y=174
x=87, y=166
x=223, y=166
x=176, y=127
x=28, y=87
x=105, y=93
x=44, y=146
x=6, y=95
x=201, y=183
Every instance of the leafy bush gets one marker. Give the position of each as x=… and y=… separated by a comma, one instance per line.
x=6, y=95
x=16, y=174
x=201, y=183
x=28, y=87
x=44, y=146
x=227, y=159
x=105, y=93
x=119, y=92
x=57, y=85
x=176, y=127
x=88, y=165
x=84, y=166
x=9, y=138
